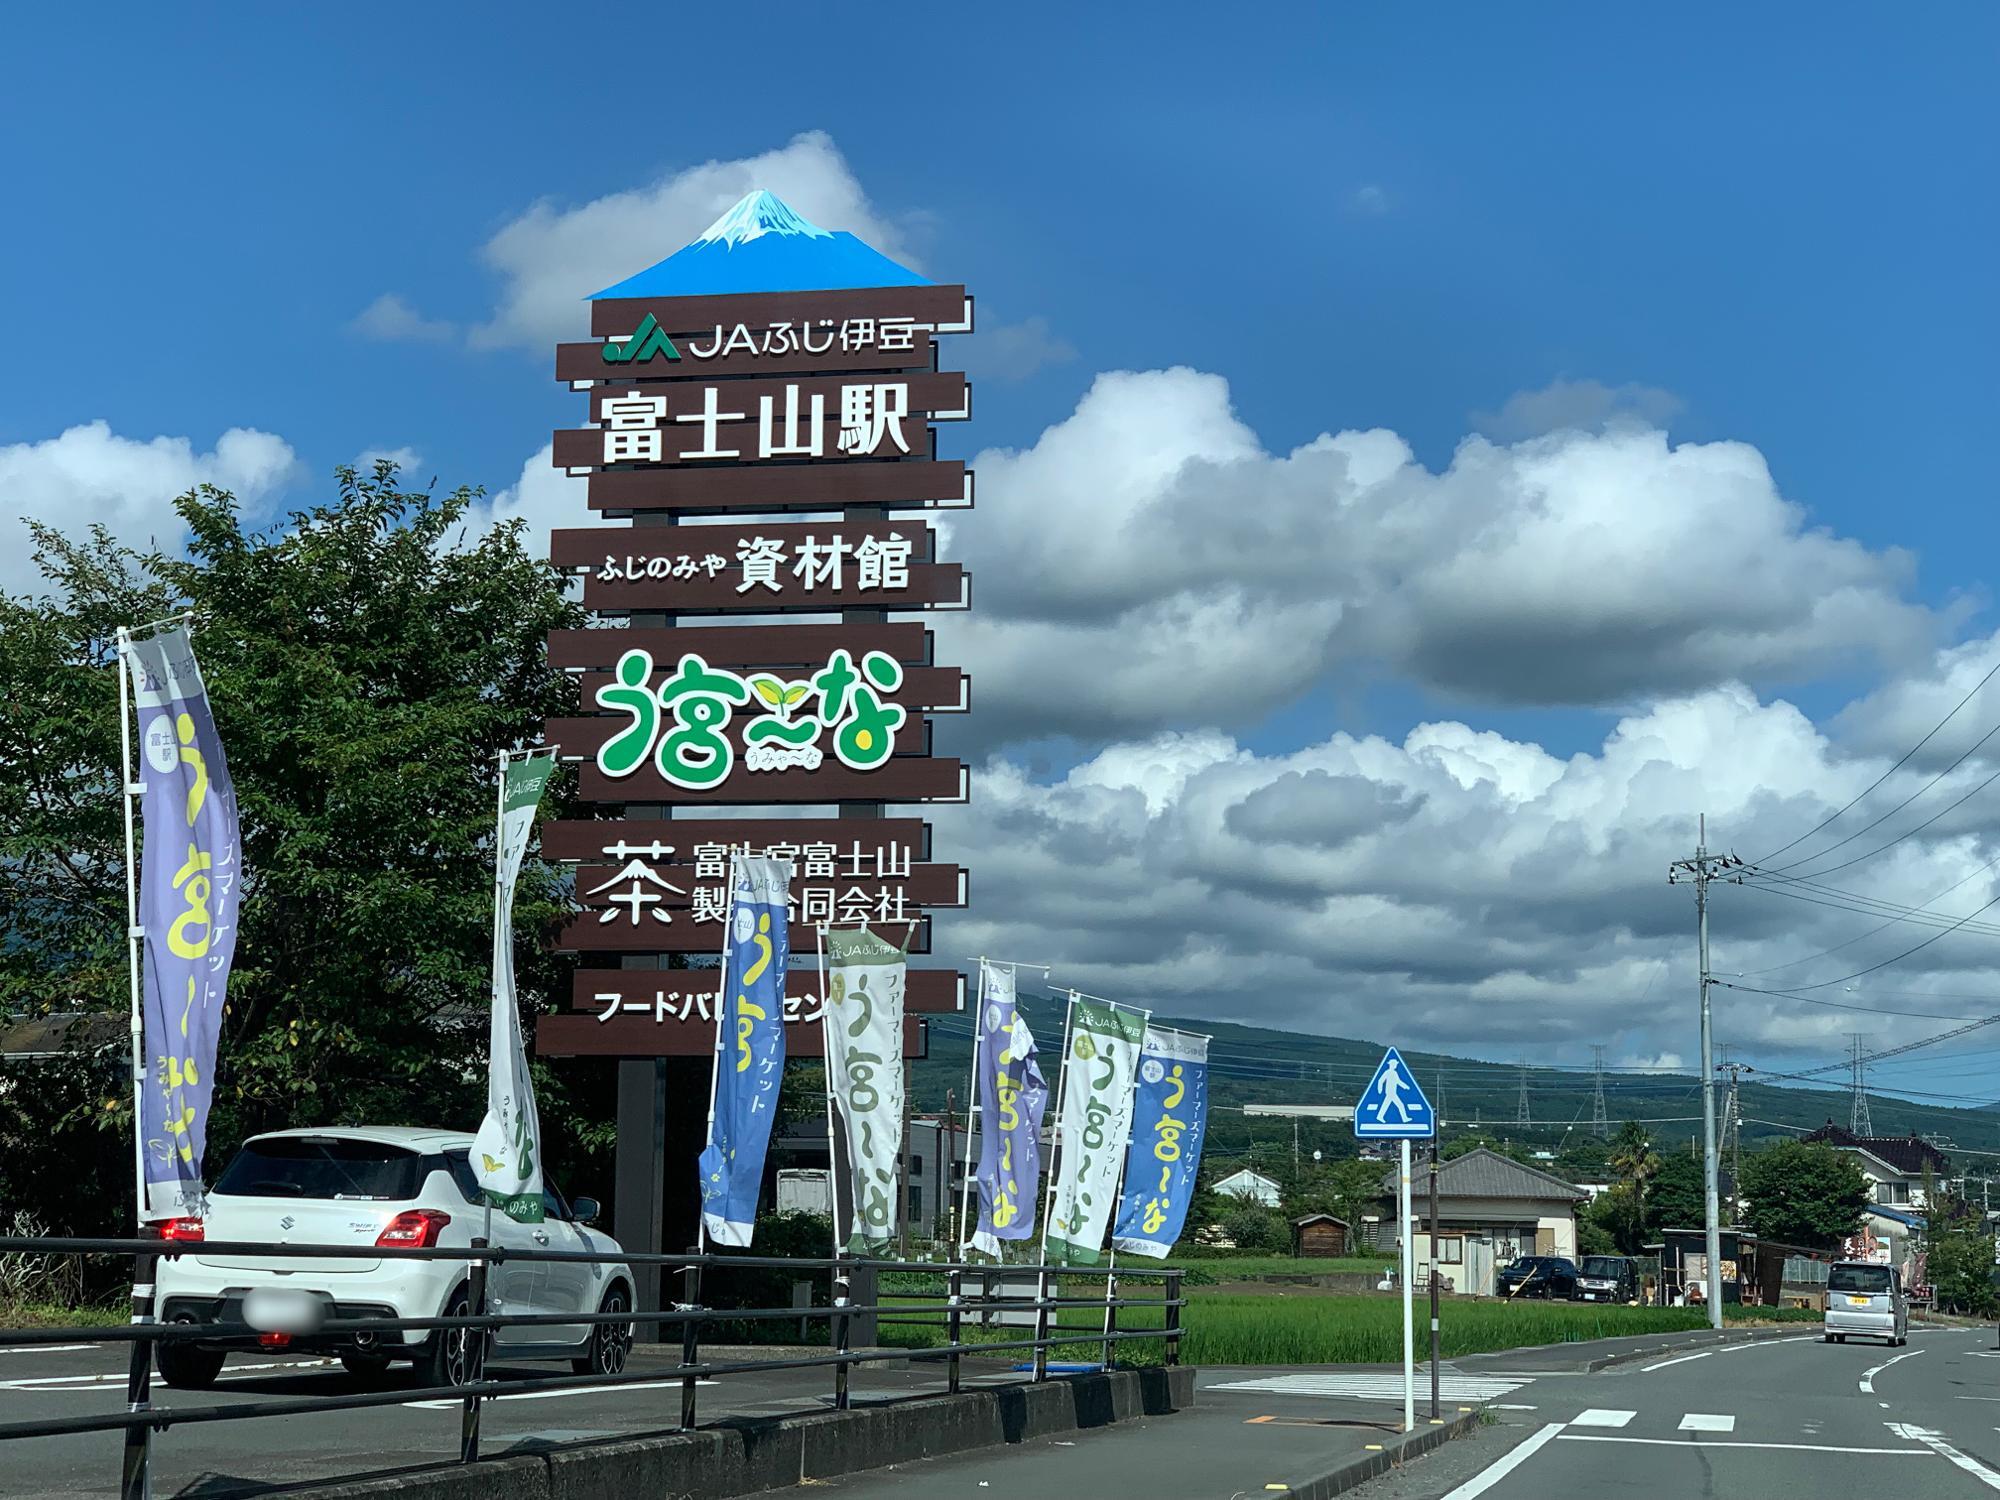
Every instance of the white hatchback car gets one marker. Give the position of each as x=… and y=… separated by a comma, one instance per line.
x=390, y=1187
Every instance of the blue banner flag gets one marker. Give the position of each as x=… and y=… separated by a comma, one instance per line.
x=750, y=1047
x=1170, y=1119
x=190, y=883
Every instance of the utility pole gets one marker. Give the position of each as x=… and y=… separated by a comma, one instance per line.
x=1699, y=871
x=1858, y=1122
x=950, y=1158
x=1732, y=1129
x=1521, y=1114
x=1600, y=1122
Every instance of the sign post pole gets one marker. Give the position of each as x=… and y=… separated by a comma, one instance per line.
x=1409, y=1275
x=1393, y=1108
x=1435, y=1413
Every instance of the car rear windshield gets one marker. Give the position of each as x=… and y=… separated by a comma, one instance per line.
x=321, y=1167
x=1872, y=1279
x=1609, y=1266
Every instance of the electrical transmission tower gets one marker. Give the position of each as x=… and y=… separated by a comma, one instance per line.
x=1857, y=1113
x=1521, y=1113
x=1600, y=1122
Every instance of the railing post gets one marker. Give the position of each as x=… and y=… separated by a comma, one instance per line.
x=136, y=1482
x=1042, y=1324
x=475, y=1356
x=841, y=1318
x=1173, y=1317
x=690, y=1336
x=955, y=1284
x=1110, y=1318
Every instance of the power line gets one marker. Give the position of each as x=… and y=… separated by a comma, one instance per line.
x=1827, y=821
x=1896, y=958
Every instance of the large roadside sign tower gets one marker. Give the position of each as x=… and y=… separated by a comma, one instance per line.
x=758, y=675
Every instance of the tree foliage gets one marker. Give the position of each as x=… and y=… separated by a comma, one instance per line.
x=1803, y=1193
x=1959, y=1260
x=365, y=661
x=1678, y=1197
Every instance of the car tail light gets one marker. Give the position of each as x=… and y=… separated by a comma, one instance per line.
x=274, y=1340
x=413, y=1229
x=182, y=1231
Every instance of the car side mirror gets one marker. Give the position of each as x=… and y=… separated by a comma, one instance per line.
x=583, y=1210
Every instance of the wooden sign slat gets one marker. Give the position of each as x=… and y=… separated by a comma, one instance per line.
x=575, y=362
x=776, y=487
x=915, y=779
x=617, y=316
x=641, y=1036
x=575, y=839
x=929, y=391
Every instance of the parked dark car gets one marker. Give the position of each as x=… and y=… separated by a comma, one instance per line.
x=1607, y=1278
x=1548, y=1276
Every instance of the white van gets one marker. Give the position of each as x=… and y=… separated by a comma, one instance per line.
x=1867, y=1301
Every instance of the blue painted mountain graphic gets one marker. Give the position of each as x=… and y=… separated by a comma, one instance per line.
x=762, y=245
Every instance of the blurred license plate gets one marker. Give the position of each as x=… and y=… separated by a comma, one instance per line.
x=1857, y=1301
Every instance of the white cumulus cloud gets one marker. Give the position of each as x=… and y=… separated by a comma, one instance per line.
x=89, y=475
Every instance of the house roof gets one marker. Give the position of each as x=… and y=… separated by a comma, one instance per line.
x=1896, y=1216
x=1250, y=1173
x=1481, y=1173
x=1305, y=1219
x=1908, y=1154
x=52, y=1036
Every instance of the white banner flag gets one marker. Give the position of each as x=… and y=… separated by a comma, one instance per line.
x=507, y=1152
x=1094, y=1124
x=864, y=1060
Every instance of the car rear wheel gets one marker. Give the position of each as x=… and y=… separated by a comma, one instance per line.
x=450, y=1358
x=187, y=1368
x=609, y=1342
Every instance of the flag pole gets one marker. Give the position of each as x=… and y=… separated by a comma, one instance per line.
x=971, y=1110
x=721, y=1009
x=132, y=931
x=826, y=1078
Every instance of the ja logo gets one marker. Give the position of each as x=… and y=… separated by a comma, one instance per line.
x=651, y=339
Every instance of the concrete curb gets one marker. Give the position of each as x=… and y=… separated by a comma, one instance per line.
x=740, y=1456
x=1393, y=1455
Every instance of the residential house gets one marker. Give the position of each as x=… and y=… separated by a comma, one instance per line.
x=1490, y=1209
x=1902, y=1172
x=1254, y=1186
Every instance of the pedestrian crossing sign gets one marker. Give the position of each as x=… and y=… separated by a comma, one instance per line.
x=1392, y=1107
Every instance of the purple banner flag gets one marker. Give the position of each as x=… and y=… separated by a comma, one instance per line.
x=190, y=881
x=1012, y=1097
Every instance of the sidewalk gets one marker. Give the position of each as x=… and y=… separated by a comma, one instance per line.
x=1229, y=1443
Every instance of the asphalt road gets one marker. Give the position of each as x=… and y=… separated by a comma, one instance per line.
x=1778, y=1420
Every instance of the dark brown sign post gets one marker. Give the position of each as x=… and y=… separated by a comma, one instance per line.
x=765, y=408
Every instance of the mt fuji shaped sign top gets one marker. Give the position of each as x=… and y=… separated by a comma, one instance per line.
x=1392, y=1107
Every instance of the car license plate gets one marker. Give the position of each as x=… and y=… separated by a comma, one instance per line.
x=1857, y=1301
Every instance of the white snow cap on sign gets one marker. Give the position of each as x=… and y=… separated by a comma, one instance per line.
x=755, y=215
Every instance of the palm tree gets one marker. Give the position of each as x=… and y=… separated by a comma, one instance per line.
x=1632, y=1157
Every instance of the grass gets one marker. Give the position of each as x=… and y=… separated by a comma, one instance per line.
x=55, y=1315
x=1308, y=1328
x=1209, y=1270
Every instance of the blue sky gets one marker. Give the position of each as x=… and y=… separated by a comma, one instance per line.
x=1772, y=225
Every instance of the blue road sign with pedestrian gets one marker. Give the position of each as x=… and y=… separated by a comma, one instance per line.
x=1392, y=1107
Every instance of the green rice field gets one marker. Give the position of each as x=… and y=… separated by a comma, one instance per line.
x=1319, y=1328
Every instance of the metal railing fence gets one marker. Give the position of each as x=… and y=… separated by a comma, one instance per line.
x=951, y=1305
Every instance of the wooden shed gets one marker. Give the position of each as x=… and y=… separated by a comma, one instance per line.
x=1320, y=1235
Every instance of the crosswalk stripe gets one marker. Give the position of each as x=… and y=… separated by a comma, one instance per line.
x=1599, y=1417
x=1365, y=1387
x=1702, y=1421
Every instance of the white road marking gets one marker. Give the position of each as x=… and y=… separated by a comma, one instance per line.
x=1868, y=1376
x=1598, y=1416
x=75, y=1382
x=1945, y=1450
x=1372, y=1387
x=1606, y=1437
x=1486, y=1478
x=1702, y=1421
x=582, y=1390
x=1509, y=1406
x=1679, y=1359
x=45, y=1348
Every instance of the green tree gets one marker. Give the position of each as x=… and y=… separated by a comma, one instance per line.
x=365, y=661
x=1677, y=1198
x=1803, y=1193
x=1959, y=1264
x=1615, y=1215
